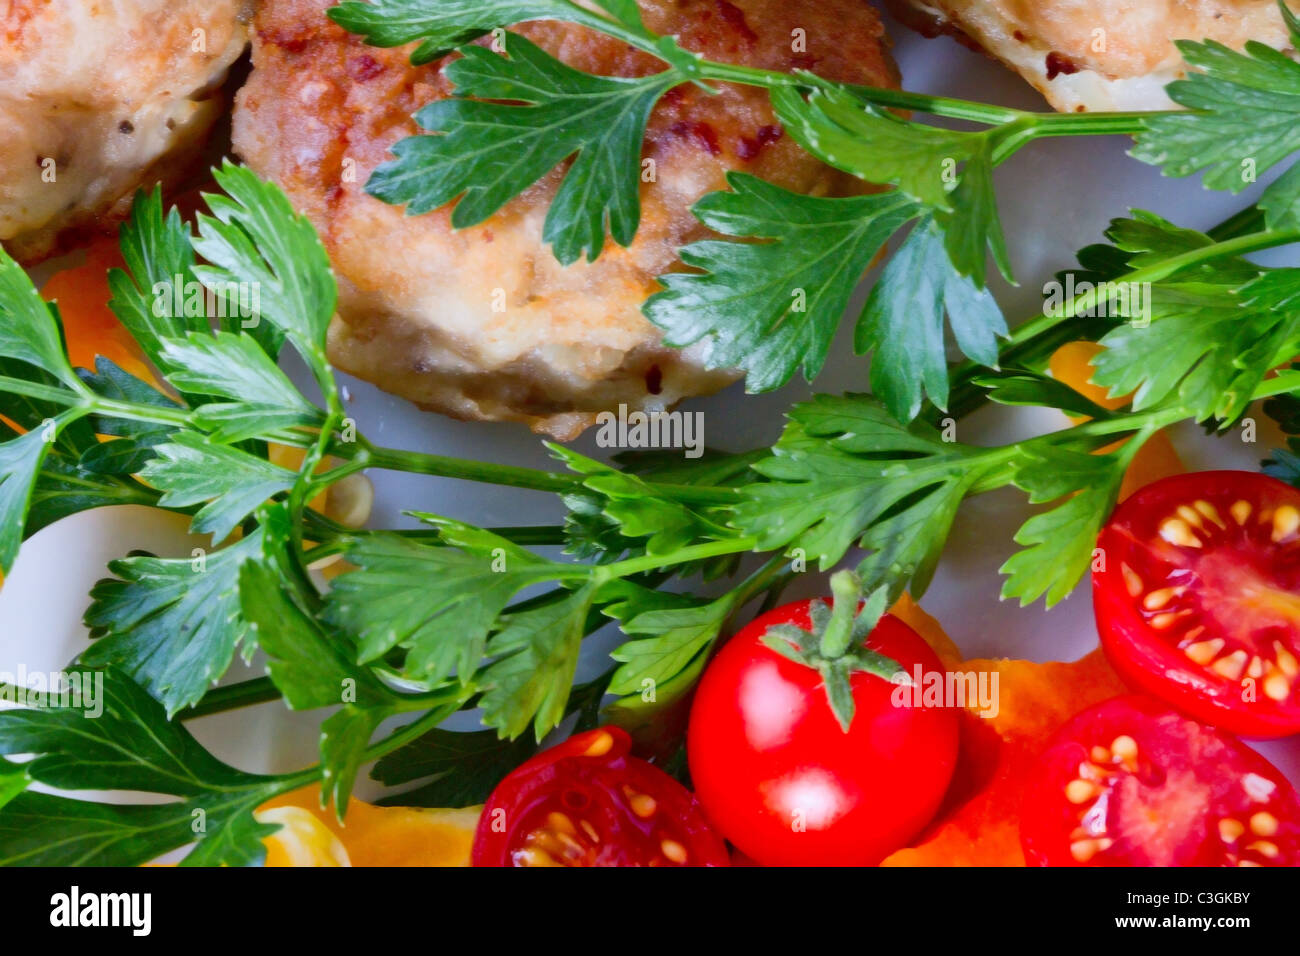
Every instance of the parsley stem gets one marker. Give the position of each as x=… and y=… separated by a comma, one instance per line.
x=513, y=476
x=134, y=412
x=246, y=693
x=49, y=393
x=1095, y=124
x=771, y=578
x=1117, y=425
x=1248, y=220
x=410, y=732
x=398, y=738
x=1281, y=384
x=1237, y=246
x=698, y=552
x=442, y=466
x=323, y=529
x=1041, y=124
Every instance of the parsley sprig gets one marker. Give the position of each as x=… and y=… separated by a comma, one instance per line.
x=770, y=303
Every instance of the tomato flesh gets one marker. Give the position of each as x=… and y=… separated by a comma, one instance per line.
x=1131, y=782
x=586, y=802
x=1197, y=596
x=785, y=783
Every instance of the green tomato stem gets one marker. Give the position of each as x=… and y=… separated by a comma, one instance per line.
x=846, y=587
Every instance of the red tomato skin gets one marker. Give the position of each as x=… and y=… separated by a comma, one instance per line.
x=542, y=783
x=1198, y=761
x=1158, y=671
x=1154, y=667
x=767, y=755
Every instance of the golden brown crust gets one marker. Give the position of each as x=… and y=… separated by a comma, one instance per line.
x=98, y=99
x=322, y=110
x=1086, y=55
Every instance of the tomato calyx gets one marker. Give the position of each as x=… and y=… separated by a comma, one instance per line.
x=833, y=645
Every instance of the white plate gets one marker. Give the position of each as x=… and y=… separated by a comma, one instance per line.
x=1055, y=197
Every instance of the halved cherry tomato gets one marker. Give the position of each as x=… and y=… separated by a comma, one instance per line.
x=781, y=778
x=586, y=802
x=1132, y=783
x=1198, y=598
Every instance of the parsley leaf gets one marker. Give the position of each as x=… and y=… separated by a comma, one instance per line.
x=1246, y=119
x=902, y=324
x=130, y=746
x=634, y=507
x=1059, y=543
x=157, y=251
x=438, y=602
x=487, y=153
x=254, y=236
x=878, y=145
x=31, y=347
x=845, y=469
x=712, y=468
x=260, y=397
x=313, y=670
x=447, y=24
x=602, y=515
x=66, y=485
x=314, y=666
x=1281, y=201
x=172, y=625
x=671, y=644
x=1027, y=387
x=536, y=654
x=78, y=471
x=29, y=327
x=191, y=469
x=20, y=464
x=882, y=147
x=465, y=767
x=1207, y=345
x=136, y=440
x=13, y=781
x=769, y=307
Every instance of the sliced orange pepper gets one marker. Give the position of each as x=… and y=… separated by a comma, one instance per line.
x=91, y=328
x=979, y=824
x=931, y=631
x=369, y=835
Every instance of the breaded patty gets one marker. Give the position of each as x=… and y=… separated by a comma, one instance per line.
x=416, y=315
x=1103, y=55
x=98, y=98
